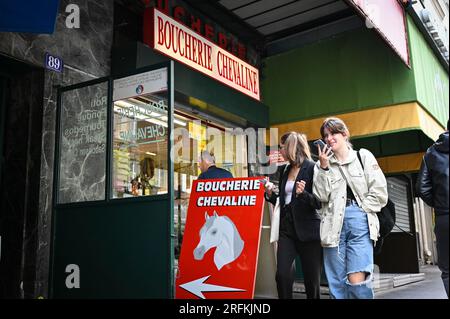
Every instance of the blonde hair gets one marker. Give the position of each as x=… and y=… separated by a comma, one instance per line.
x=297, y=148
x=335, y=125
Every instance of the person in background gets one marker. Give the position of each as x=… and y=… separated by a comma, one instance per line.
x=208, y=168
x=432, y=187
x=299, y=221
x=350, y=196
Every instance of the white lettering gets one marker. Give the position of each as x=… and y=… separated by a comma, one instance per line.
x=73, y=279
x=73, y=19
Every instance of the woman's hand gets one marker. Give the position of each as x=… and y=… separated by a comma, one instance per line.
x=324, y=156
x=299, y=187
x=268, y=186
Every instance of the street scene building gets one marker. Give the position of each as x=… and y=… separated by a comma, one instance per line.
x=105, y=107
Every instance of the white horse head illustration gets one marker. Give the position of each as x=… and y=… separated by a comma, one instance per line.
x=219, y=231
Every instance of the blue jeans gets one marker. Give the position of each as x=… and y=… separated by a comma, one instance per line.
x=353, y=254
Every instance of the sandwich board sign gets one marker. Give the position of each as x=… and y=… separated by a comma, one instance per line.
x=219, y=253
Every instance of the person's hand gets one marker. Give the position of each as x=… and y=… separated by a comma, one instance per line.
x=299, y=187
x=324, y=156
x=268, y=186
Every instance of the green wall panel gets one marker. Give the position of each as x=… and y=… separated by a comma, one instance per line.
x=431, y=79
x=122, y=248
x=352, y=71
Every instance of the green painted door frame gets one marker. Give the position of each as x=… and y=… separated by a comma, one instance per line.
x=121, y=248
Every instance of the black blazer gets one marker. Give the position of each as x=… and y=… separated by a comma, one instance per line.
x=306, y=219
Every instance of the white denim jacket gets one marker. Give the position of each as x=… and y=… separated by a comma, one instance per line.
x=369, y=187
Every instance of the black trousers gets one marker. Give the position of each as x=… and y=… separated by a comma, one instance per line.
x=442, y=239
x=310, y=253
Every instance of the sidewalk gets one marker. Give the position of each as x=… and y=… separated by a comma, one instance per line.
x=425, y=285
x=430, y=287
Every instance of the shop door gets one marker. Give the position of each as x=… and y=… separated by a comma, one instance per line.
x=113, y=208
x=229, y=152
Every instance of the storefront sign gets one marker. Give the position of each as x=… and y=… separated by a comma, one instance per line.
x=139, y=84
x=221, y=240
x=197, y=23
x=388, y=18
x=179, y=42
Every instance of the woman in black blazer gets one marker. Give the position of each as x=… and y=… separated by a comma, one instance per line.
x=299, y=221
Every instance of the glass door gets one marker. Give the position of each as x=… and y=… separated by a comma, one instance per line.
x=192, y=136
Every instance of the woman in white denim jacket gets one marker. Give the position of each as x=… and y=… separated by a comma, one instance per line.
x=349, y=226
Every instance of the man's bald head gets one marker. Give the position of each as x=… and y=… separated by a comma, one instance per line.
x=206, y=160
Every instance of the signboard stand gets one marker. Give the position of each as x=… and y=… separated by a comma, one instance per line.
x=266, y=286
x=221, y=241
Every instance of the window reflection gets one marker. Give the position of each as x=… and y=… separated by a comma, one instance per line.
x=229, y=150
x=140, y=146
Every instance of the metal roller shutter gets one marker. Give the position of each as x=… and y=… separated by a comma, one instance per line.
x=398, y=193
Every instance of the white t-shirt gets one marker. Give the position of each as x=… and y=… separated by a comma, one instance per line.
x=288, y=192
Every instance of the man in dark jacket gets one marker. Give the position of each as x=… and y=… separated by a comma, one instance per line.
x=432, y=187
x=209, y=169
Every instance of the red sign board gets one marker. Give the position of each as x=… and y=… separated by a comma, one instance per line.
x=220, y=245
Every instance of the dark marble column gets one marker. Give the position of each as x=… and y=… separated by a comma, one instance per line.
x=86, y=54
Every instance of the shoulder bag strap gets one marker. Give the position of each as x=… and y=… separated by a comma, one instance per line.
x=359, y=157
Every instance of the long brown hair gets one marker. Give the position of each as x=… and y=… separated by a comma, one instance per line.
x=297, y=148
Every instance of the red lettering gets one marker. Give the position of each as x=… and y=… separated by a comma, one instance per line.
x=187, y=46
x=179, y=14
x=230, y=64
x=249, y=79
x=244, y=77
x=225, y=66
x=196, y=24
x=255, y=81
x=209, y=32
x=172, y=40
x=194, y=49
x=200, y=51
x=160, y=31
x=167, y=27
x=209, y=63
x=180, y=34
x=242, y=51
x=163, y=5
x=223, y=41
x=233, y=47
x=219, y=66
x=237, y=73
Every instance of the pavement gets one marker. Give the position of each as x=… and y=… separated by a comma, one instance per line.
x=431, y=287
x=425, y=285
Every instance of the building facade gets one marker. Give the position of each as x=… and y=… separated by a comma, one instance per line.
x=93, y=203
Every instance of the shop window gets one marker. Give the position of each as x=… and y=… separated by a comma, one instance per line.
x=82, y=147
x=140, y=135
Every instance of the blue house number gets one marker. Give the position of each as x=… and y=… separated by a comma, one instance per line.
x=53, y=63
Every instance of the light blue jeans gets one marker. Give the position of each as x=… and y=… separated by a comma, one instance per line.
x=353, y=254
